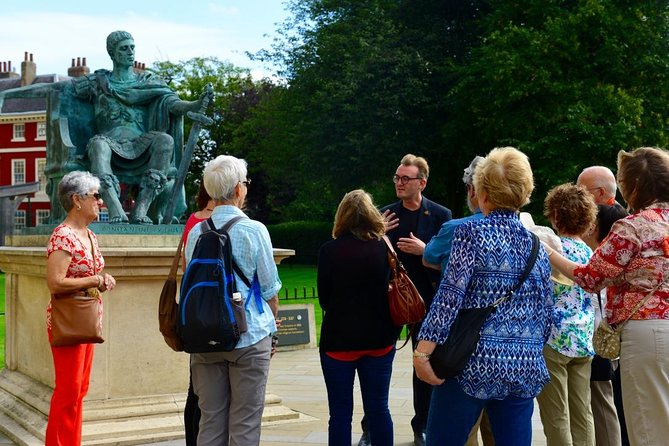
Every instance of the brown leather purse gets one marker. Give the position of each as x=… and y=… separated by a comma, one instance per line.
x=168, y=308
x=76, y=318
x=405, y=302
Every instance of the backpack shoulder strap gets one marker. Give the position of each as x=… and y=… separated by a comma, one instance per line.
x=225, y=229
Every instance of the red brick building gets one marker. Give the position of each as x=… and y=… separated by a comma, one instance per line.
x=23, y=135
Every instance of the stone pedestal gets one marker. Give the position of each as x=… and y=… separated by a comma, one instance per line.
x=138, y=384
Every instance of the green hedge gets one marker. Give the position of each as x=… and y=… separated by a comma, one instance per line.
x=305, y=237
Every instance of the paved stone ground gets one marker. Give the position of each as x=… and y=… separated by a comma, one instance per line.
x=297, y=378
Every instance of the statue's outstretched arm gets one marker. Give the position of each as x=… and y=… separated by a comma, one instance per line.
x=31, y=91
x=182, y=107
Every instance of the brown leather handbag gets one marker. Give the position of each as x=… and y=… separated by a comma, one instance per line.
x=405, y=302
x=76, y=318
x=168, y=308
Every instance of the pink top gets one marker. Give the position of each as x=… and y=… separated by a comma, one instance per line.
x=192, y=221
x=63, y=238
x=632, y=260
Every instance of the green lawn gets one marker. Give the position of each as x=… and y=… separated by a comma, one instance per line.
x=300, y=279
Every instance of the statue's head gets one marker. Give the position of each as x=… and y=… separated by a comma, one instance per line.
x=114, y=38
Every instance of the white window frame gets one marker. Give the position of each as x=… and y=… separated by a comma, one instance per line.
x=19, y=131
x=40, y=165
x=41, y=131
x=42, y=216
x=18, y=171
x=19, y=219
x=103, y=216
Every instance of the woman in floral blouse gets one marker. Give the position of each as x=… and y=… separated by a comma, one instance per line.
x=634, y=260
x=507, y=369
x=74, y=264
x=564, y=402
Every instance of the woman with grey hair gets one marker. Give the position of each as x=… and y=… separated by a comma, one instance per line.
x=231, y=385
x=73, y=265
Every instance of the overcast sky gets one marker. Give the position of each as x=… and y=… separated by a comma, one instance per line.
x=55, y=32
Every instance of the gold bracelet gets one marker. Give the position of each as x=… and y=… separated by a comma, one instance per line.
x=99, y=281
x=417, y=354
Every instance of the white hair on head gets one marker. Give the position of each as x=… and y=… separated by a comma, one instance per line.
x=78, y=182
x=222, y=175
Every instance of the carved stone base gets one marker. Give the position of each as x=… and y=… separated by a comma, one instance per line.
x=138, y=385
x=24, y=406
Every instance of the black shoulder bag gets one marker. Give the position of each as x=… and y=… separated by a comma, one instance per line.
x=448, y=359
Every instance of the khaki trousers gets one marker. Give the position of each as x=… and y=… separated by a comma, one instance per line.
x=604, y=414
x=644, y=369
x=231, y=391
x=564, y=403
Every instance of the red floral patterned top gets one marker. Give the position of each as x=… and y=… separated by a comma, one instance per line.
x=632, y=260
x=81, y=263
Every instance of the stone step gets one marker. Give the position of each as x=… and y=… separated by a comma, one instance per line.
x=24, y=404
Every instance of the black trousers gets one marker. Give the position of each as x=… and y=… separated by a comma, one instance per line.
x=191, y=416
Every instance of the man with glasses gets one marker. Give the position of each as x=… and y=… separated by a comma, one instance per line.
x=410, y=223
x=600, y=182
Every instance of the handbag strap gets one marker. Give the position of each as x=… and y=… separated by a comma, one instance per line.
x=95, y=270
x=175, y=261
x=528, y=268
x=638, y=306
x=390, y=245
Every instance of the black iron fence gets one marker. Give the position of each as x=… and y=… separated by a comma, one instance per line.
x=298, y=293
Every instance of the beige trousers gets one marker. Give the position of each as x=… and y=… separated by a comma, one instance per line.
x=644, y=369
x=564, y=403
x=604, y=414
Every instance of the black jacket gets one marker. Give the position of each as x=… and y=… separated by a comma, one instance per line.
x=430, y=219
x=353, y=291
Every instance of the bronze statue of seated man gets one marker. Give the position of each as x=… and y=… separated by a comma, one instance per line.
x=138, y=127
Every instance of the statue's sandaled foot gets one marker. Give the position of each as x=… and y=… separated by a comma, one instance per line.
x=119, y=219
x=144, y=220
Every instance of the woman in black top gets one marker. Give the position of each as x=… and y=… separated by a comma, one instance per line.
x=357, y=333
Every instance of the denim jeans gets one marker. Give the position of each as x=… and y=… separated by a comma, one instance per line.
x=374, y=376
x=453, y=413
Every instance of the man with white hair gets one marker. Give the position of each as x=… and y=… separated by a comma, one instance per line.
x=600, y=182
x=231, y=385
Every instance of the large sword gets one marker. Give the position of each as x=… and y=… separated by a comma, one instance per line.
x=199, y=119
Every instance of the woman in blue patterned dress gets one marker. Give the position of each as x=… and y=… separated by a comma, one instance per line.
x=564, y=403
x=507, y=369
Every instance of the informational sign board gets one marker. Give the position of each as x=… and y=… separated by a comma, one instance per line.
x=297, y=326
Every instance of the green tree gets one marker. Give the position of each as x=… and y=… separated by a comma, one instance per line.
x=365, y=85
x=569, y=83
x=235, y=95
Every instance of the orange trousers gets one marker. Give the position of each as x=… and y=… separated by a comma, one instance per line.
x=72, y=365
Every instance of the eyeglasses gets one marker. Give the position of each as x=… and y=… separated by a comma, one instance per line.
x=246, y=183
x=403, y=179
x=96, y=195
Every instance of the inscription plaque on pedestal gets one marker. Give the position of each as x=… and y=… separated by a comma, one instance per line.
x=297, y=326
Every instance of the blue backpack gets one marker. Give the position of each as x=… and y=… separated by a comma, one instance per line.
x=211, y=314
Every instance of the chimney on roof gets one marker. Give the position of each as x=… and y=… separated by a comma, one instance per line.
x=28, y=70
x=79, y=69
x=6, y=70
